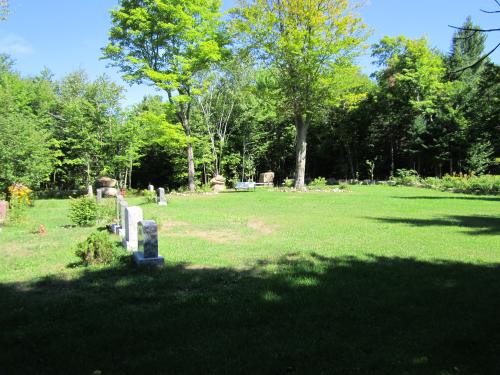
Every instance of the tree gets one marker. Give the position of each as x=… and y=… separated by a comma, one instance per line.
x=168, y=43
x=470, y=32
x=304, y=40
x=4, y=9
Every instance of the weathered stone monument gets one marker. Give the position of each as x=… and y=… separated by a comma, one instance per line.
x=218, y=183
x=107, y=185
x=266, y=178
x=4, y=206
x=147, y=254
x=161, y=197
x=123, y=207
x=90, y=191
x=133, y=215
x=151, y=187
x=98, y=195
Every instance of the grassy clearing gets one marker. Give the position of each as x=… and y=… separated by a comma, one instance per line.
x=380, y=280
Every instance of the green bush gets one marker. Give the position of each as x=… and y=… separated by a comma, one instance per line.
x=485, y=184
x=149, y=196
x=106, y=212
x=83, y=211
x=407, y=177
x=97, y=249
x=319, y=182
x=343, y=186
x=289, y=182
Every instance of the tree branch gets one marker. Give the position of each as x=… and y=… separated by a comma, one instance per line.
x=478, y=61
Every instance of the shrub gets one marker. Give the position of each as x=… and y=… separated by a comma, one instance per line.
x=106, y=212
x=406, y=177
x=289, y=182
x=319, y=182
x=83, y=211
x=19, y=199
x=97, y=249
x=343, y=186
x=149, y=196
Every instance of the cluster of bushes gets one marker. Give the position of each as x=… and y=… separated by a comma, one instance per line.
x=98, y=248
x=85, y=211
x=485, y=184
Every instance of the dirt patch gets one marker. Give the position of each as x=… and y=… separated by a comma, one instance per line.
x=215, y=236
x=260, y=226
x=169, y=224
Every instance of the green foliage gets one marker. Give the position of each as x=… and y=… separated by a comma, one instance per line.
x=289, y=182
x=479, y=157
x=408, y=177
x=318, y=183
x=149, y=196
x=485, y=184
x=25, y=156
x=98, y=248
x=343, y=186
x=83, y=211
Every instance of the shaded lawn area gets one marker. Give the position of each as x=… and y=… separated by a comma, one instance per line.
x=377, y=281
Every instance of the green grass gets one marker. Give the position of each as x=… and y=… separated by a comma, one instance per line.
x=380, y=280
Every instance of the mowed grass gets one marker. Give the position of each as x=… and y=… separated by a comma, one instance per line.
x=379, y=280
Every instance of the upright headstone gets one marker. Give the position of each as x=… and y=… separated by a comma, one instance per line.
x=132, y=217
x=98, y=195
x=4, y=206
x=123, y=207
x=266, y=178
x=147, y=254
x=90, y=191
x=161, y=197
x=151, y=187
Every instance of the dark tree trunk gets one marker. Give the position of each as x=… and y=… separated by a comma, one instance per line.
x=300, y=151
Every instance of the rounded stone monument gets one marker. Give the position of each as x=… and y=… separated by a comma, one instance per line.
x=218, y=183
x=107, y=186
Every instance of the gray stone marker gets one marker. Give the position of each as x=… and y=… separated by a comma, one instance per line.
x=147, y=254
x=161, y=197
x=123, y=207
x=151, y=187
x=98, y=195
x=90, y=191
x=132, y=217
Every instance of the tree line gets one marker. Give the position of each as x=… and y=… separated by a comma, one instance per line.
x=274, y=85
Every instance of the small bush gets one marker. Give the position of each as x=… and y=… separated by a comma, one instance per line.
x=149, y=196
x=20, y=198
x=97, y=249
x=407, y=177
x=343, y=186
x=289, y=182
x=83, y=211
x=106, y=212
x=318, y=183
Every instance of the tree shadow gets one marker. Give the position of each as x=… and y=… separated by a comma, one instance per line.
x=474, y=225
x=471, y=198
x=301, y=314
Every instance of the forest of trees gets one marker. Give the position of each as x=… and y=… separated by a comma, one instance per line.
x=252, y=92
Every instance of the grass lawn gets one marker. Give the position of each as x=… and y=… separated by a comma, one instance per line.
x=380, y=280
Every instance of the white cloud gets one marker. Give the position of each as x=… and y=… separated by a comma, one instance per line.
x=15, y=45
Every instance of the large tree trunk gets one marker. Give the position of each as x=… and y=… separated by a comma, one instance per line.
x=191, y=183
x=300, y=151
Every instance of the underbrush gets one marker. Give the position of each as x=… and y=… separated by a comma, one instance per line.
x=485, y=184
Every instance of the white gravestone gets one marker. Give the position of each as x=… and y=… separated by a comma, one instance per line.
x=161, y=197
x=132, y=217
x=123, y=207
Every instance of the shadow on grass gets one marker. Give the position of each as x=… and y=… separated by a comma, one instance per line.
x=469, y=198
x=474, y=225
x=303, y=315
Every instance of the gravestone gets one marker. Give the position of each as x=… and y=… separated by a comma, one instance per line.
x=90, y=191
x=123, y=207
x=115, y=227
x=266, y=178
x=132, y=217
x=98, y=195
x=4, y=206
x=147, y=254
x=151, y=187
x=161, y=197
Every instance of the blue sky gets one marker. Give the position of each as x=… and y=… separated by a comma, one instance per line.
x=65, y=35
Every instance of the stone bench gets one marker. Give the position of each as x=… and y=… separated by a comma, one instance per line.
x=245, y=185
